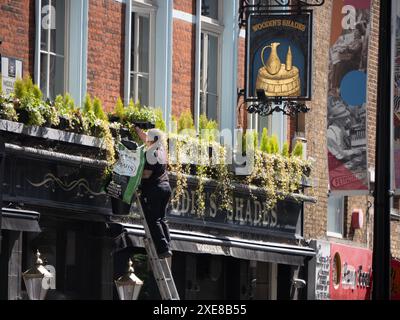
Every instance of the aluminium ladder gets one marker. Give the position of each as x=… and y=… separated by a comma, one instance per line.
x=161, y=270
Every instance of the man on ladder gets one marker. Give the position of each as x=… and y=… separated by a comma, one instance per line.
x=153, y=203
x=132, y=168
x=156, y=190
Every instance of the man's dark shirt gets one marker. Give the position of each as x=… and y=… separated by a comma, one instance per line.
x=159, y=170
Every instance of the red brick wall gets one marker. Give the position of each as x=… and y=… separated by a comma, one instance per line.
x=17, y=30
x=291, y=129
x=188, y=6
x=106, y=47
x=183, y=66
x=361, y=235
x=315, y=215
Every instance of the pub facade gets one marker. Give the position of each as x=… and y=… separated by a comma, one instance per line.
x=181, y=56
x=53, y=202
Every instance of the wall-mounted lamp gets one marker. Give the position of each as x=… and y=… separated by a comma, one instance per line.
x=37, y=280
x=129, y=285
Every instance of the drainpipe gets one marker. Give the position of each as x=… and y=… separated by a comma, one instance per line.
x=381, y=251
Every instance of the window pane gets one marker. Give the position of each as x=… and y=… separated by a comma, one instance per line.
x=57, y=29
x=212, y=107
x=45, y=25
x=201, y=59
x=43, y=73
x=209, y=8
x=209, y=76
x=264, y=122
x=203, y=108
x=56, y=80
x=132, y=93
x=143, y=90
x=335, y=214
x=144, y=31
x=212, y=68
x=133, y=44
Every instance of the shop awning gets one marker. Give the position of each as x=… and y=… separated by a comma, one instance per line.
x=20, y=220
x=200, y=243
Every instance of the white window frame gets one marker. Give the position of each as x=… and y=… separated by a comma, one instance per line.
x=209, y=26
x=148, y=9
x=204, y=72
x=332, y=233
x=47, y=52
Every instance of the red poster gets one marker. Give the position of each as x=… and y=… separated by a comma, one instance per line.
x=351, y=273
x=347, y=96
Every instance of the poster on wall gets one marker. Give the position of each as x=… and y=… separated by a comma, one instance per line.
x=279, y=55
x=11, y=70
x=347, y=96
x=322, y=270
x=396, y=98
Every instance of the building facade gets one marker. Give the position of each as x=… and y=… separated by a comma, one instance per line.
x=178, y=55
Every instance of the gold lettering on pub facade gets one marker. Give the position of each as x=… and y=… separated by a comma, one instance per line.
x=278, y=79
x=279, y=23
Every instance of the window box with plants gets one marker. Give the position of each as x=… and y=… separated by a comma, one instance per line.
x=277, y=173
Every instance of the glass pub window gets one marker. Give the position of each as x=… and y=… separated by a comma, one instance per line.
x=210, y=8
x=335, y=215
x=209, y=97
x=210, y=58
x=140, y=67
x=52, y=46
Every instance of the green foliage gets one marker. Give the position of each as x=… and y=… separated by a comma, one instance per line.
x=274, y=144
x=244, y=146
x=208, y=128
x=119, y=110
x=298, y=150
x=265, y=145
x=285, y=150
x=30, y=102
x=98, y=109
x=50, y=114
x=25, y=87
x=19, y=89
x=65, y=105
x=185, y=121
x=88, y=105
x=160, y=123
x=254, y=137
x=7, y=110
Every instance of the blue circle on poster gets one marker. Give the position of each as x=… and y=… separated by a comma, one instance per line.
x=353, y=88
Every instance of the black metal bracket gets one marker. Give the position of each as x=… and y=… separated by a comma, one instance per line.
x=267, y=107
x=258, y=6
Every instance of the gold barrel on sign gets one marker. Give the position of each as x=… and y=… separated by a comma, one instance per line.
x=278, y=79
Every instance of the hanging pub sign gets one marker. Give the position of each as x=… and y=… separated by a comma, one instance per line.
x=279, y=55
